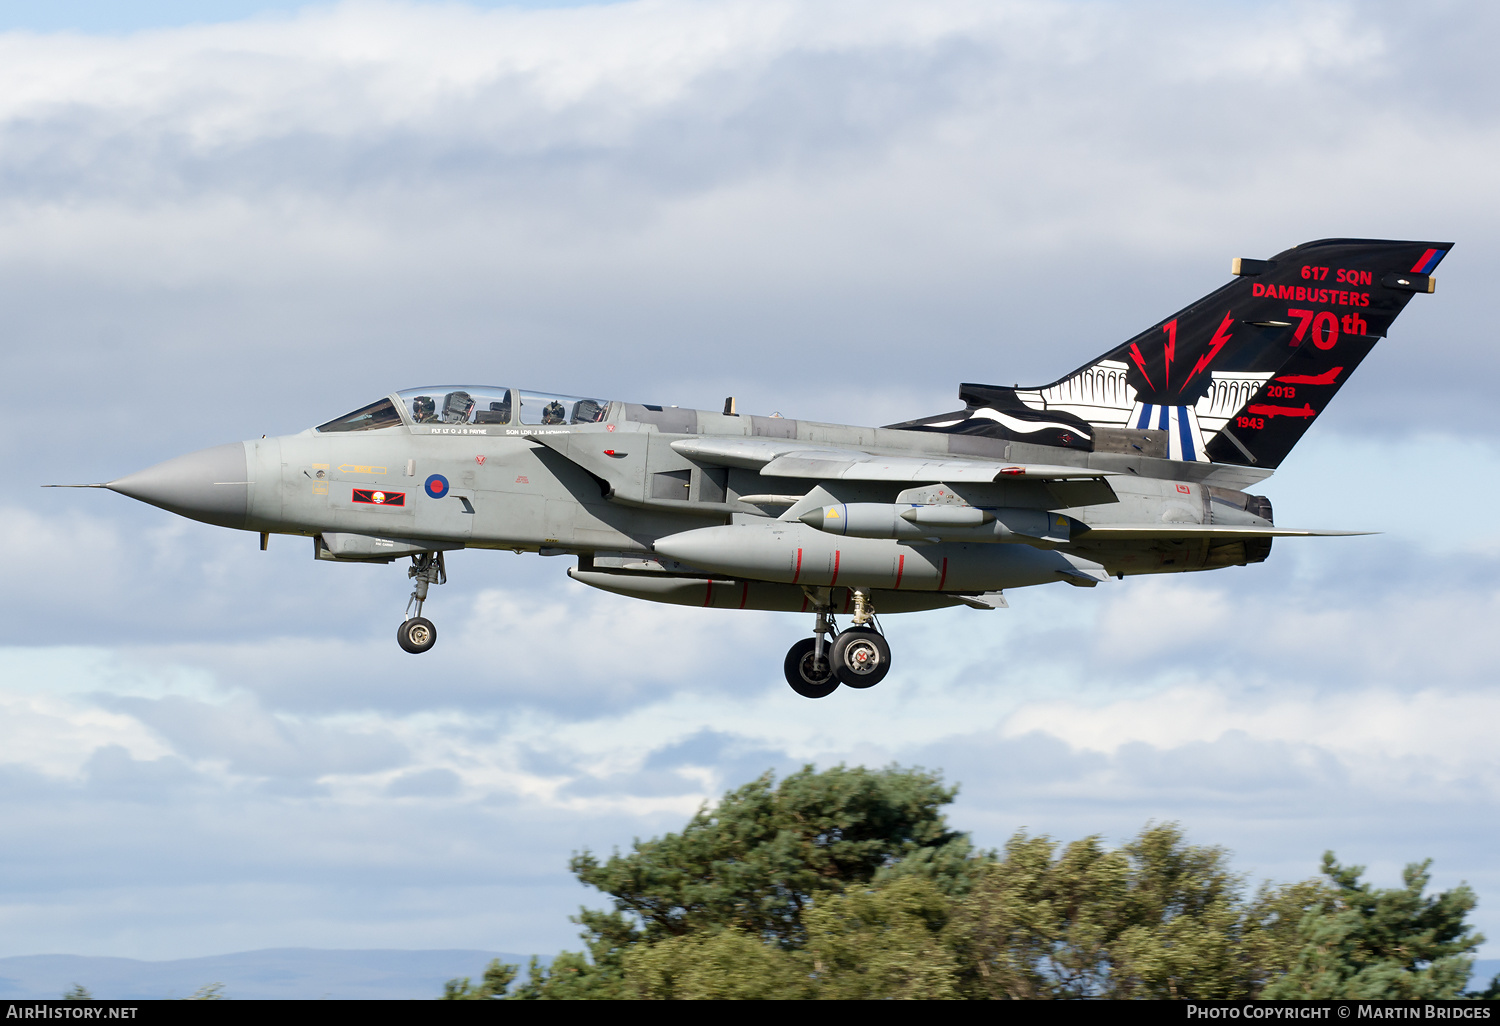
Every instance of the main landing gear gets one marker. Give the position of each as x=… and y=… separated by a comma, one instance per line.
x=417, y=633
x=858, y=657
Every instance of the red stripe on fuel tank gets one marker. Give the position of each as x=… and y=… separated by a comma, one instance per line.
x=708, y=593
x=848, y=598
x=745, y=595
x=900, y=569
x=798, y=572
x=944, y=579
x=804, y=603
x=835, y=568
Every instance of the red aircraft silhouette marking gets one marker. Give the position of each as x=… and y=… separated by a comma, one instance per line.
x=1305, y=410
x=1326, y=378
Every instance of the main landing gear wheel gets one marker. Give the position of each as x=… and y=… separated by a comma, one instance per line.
x=809, y=676
x=860, y=657
x=416, y=635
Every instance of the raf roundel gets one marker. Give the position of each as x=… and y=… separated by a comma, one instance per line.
x=437, y=486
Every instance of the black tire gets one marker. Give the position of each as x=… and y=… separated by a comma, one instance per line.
x=416, y=635
x=860, y=657
x=804, y=676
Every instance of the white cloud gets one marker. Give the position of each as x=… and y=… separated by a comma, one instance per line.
x=57, y=736
x=1387, y=740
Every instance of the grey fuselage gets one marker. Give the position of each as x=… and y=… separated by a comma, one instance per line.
x=612, y=491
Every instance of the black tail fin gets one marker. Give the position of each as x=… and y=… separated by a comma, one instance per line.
x=1239, y=376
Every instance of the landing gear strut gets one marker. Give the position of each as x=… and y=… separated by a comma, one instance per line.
x=417, y=633
x=807, y=667
x=858, y=657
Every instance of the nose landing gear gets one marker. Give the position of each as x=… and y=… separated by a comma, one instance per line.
x=858, y=657
x=417, y=633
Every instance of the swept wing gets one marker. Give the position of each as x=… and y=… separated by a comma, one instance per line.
x=785, y=458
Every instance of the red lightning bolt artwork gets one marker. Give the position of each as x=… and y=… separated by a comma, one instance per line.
x=1171, y=329
x=1219, y=341
x=1140, y=361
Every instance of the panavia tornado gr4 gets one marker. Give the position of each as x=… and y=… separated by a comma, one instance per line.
x=1139, y=462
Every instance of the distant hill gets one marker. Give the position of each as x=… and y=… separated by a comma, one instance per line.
x=290, y=973
x=272, y=973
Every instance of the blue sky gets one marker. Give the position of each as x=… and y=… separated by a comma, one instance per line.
x=112, y=16
x=234, y=225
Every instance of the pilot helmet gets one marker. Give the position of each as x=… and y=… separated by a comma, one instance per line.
x=553, y=413
x=423, y=408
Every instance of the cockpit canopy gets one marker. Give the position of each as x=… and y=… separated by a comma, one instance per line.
x=470, y=405
x=367, y=418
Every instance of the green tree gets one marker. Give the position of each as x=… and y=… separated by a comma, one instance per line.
x=875, y=940
x=77, y=992
x=1360, y=942
x=881, y=940
x=1270, y=930
x=727, y=965
x=757, y=859
x=754, y=863
x=1038, y=927
x=1182, y=921
x=850, y=884
x=1158, y=918
x=497, y=978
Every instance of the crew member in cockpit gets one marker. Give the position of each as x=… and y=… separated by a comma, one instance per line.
x=554, y=413
x=456, y=407
x=423, y=409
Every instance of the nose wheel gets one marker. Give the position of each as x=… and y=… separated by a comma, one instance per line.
x=858, y=657
x=417, y=633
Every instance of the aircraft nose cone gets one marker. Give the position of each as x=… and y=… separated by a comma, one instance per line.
x=211, y=485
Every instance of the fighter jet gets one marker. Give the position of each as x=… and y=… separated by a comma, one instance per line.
x=1138, y=462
